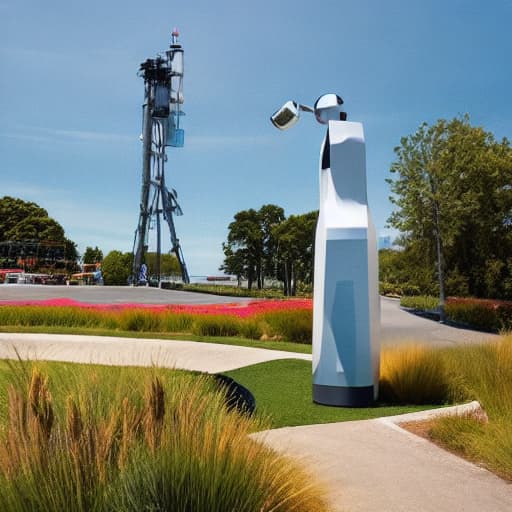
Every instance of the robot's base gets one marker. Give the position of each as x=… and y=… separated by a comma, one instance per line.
x=340, y=396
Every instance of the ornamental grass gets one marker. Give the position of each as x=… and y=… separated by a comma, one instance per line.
x=414, y=374
x=90, y=438
x=289, y=320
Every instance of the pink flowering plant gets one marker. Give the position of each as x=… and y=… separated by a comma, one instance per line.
x=289, y=320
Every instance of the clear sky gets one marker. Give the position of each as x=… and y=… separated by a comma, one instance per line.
x=70, y=101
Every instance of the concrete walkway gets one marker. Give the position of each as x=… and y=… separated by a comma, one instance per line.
x=366, y=465
x=186, y=355
x=375, y=465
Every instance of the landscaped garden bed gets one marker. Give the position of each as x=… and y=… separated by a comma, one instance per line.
x=412, y=377
x=484, y=314
x=282, y=320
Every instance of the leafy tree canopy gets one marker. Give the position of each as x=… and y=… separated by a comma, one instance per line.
x=92, y=255
x=117, y=268
x=263, y=244
x=169, y=264
x=452, y=182
x=26, y=221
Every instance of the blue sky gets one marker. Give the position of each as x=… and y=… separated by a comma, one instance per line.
x=70, y=101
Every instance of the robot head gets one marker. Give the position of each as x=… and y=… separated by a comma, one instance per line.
x=328, y=108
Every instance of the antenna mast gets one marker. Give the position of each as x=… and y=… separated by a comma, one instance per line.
x=163, y=97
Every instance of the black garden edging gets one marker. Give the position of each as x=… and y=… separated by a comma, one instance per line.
x=434, y=315
x=237, y=396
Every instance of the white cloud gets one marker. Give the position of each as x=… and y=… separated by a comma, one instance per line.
x=208, y=142
x=35, y=134
x=193, y=142
x=89, y=136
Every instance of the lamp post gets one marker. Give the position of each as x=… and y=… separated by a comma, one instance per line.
x=346, y=303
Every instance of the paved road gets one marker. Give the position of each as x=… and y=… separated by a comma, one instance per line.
x=397, y=326
x=110, y=294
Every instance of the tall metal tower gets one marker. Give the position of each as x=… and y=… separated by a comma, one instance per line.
x=163, y=97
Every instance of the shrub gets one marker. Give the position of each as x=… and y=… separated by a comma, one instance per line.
x=420, y=302
x=251, y=328
x=413, y=374
x=479, y=315
x=50, y=315
x=393, y=289
x=216, y=325
x=140, y=320
x=504, y=312
x=286, y=319
x=410, y=290
x=177, y=322
x=236, y=291
x=491, y=315
x=292, y=325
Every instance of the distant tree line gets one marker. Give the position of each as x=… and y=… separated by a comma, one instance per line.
x=24, y=221
x=265, y=245
x=117, y=266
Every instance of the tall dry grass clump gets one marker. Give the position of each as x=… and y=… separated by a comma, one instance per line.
x=110, y=439
x=216, y=325
x=483, y=372
x=290, y=325
x=414, y=374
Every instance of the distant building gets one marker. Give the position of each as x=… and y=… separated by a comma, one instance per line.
x=385, y=242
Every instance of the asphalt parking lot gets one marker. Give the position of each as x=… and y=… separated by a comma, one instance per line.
x=110, y=294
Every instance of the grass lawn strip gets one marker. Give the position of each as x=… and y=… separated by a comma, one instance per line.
x=283, y=393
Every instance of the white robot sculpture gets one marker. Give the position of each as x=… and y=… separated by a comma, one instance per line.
x=346, y=304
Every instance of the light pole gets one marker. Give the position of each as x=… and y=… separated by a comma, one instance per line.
x=346, y=303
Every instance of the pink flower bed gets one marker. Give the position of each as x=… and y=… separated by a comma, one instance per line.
x=239, y=310
x=490, y=303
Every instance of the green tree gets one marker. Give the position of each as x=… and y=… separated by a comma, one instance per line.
x=452, y=190
x=23, y=221
x=70, y=255
x=14, y=211
x=270, y=216
x=295, y=239
x=264, y=244
x=117, y=267
x=92, y=255
x=244, y=247
x=169, y=264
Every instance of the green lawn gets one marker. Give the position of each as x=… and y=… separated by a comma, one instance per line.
x=283, y=391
